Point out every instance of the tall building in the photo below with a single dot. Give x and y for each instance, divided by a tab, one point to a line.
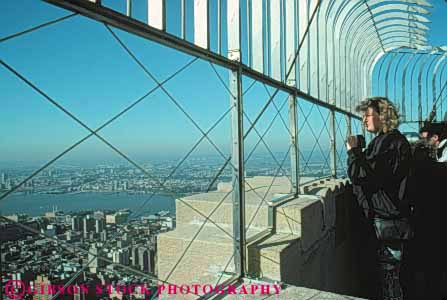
121	256
93	259
77	223
152	261
103	236
134	255
100	224
89	224
3	179
143	259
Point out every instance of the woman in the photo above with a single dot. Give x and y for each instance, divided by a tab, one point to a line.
379	177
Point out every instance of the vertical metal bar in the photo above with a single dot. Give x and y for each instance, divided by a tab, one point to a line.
237	133
290	37
267	65
303	19
290	40
348	125
219	27
333	133
413	69
275	39
257	45
238	172
402	56
248	16
387	74
296	73
323	51
129	8
420	90
313	58
283	41
156	14
294	143
404	87
1	273
201	23
183	19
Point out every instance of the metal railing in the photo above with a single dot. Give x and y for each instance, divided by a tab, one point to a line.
312	59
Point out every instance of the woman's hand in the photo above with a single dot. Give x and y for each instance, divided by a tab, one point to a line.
351	142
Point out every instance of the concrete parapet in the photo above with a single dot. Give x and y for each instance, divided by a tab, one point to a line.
291	292
311	244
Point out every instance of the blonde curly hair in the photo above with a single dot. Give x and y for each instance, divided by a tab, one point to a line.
388	112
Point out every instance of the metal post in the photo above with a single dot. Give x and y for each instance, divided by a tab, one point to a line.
294	154
348	125
183	19
238	171
333	134
1	273
129	8
237	135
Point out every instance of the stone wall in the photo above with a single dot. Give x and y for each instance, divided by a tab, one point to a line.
318	241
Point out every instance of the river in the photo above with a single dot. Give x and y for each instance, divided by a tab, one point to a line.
38	204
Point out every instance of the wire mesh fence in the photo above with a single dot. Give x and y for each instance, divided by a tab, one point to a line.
154	128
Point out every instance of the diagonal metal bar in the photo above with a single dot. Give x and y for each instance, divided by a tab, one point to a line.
197	234
129	52
321	150
265	131
266	146
140	99
173	100
312	151
226	267
316	139
249	87
221	80
278	110
12	36
306	116
291	67
183	160
140	209
85	126
266	192
144	171
324	123
76	119
221	169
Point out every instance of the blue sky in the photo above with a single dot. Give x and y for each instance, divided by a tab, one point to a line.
80	65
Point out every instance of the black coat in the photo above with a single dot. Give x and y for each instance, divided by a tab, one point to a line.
428	180
381	173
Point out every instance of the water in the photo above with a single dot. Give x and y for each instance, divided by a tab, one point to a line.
38	204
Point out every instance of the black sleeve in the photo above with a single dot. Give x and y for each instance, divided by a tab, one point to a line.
388	166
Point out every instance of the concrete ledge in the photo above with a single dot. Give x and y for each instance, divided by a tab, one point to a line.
292	293
312	245
205	258
266	255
